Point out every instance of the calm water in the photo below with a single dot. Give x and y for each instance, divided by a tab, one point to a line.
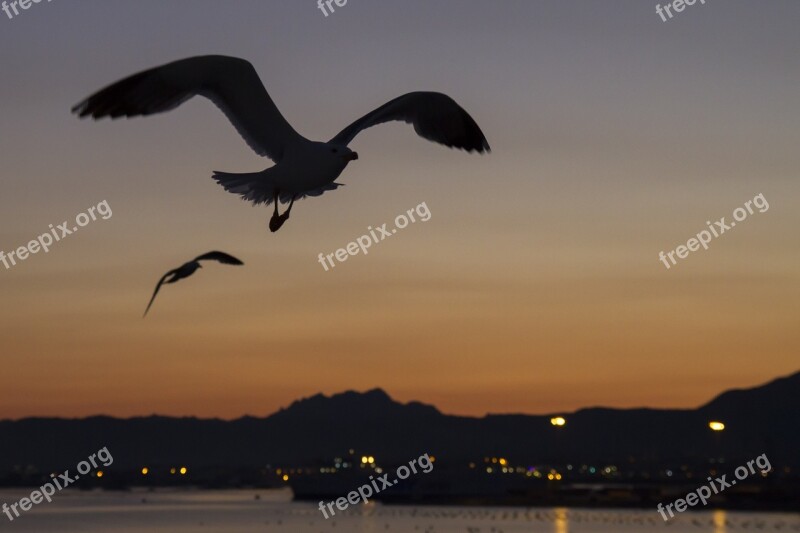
253	510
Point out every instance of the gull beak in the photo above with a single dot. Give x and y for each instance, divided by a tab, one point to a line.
352	157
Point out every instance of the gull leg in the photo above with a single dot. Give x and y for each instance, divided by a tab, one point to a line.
275	222
282	218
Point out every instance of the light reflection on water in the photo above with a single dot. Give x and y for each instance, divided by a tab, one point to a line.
561	522
235	511
720	522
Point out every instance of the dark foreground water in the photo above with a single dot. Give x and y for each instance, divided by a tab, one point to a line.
259	510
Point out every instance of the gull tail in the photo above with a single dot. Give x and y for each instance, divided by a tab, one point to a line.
256	187
259	187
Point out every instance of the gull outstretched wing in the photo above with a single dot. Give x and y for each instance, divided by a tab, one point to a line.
231	83
435	117
158	287
222	257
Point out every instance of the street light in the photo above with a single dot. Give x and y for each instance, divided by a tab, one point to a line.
716	426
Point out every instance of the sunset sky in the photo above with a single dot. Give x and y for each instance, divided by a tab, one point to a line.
535	286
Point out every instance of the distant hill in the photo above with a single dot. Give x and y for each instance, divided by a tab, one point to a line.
314	430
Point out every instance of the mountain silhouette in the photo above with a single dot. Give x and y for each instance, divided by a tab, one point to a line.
314	430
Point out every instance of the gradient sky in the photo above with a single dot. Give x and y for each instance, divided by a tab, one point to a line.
534	287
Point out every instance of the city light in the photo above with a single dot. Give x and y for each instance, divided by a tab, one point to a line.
716	426
145	471
285	477
183	470
99	473
558	421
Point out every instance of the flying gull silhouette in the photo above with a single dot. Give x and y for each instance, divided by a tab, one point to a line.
302	167
187	269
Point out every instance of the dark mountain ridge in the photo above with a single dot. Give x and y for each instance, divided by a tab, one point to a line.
314	430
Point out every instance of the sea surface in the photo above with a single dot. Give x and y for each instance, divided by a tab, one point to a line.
235	511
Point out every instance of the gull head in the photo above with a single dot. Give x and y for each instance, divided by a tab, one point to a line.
341	152
326	160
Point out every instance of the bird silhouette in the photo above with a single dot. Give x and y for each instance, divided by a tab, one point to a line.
302	167
187	269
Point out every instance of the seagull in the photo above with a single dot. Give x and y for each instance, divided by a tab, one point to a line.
302	167
187	269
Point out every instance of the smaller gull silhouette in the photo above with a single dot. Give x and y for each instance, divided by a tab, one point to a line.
187	269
